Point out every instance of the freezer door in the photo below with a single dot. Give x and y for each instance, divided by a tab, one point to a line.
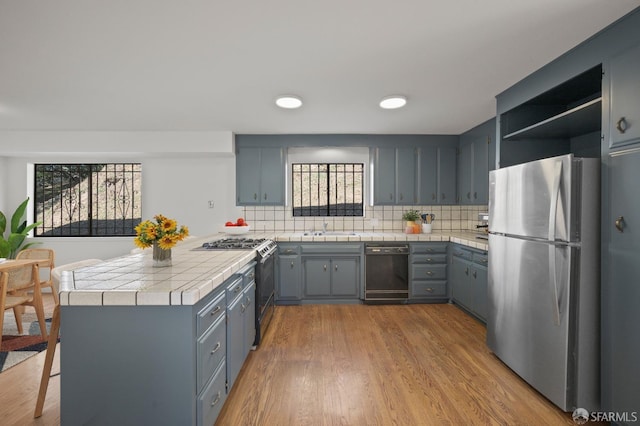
532	199
528	324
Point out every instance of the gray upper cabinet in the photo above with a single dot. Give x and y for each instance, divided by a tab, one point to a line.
395	176
473	171
447	175
624	70
437	175
260	176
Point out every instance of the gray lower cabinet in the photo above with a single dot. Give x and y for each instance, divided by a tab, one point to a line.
428	272
329	277
621	287
331	271
469	280
241	330
288	273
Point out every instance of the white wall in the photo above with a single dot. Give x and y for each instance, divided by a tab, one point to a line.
176	183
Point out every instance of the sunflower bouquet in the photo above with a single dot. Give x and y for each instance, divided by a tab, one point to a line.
164	232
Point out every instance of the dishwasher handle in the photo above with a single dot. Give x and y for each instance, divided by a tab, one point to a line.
389	250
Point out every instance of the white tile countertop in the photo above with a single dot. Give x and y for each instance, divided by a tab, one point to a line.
132	280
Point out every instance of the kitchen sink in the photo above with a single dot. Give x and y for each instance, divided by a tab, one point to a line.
329	233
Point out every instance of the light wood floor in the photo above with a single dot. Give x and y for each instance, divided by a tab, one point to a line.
380	365
348	365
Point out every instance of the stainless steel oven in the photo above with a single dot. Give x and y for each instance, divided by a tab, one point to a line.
386	272
265	287
265	278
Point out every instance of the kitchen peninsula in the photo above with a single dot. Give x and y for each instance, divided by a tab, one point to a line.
147	345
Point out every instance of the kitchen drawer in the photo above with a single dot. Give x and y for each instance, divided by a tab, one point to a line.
288	249
248	274
212	399
429	258
420	289
429	248
211	349
210	313
460	252
235	288
429	272
481	258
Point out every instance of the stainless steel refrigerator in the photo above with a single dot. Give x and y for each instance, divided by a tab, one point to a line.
544	276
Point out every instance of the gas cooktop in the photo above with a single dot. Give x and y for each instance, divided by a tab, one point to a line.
263	245
233	244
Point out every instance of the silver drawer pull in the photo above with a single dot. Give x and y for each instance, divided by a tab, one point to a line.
429	290
215	401
429	259
215	349
237	289
429	273
216	310
243	308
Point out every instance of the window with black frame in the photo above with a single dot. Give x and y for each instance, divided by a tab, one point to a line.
327	189
87	199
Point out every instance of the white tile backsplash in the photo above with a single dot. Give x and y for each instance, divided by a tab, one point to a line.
388	218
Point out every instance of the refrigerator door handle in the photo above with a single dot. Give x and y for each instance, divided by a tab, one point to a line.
553	284
553	206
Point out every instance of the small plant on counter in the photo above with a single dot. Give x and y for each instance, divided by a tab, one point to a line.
411	215
164	232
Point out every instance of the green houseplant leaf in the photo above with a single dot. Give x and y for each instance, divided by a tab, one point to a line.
11	245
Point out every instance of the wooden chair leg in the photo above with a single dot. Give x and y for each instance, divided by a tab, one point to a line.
48	361
17	313
38	305
54	293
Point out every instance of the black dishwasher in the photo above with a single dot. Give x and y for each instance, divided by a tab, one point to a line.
386	273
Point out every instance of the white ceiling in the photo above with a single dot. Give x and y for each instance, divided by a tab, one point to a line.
218	65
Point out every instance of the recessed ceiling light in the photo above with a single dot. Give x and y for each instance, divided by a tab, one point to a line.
393	102
289	102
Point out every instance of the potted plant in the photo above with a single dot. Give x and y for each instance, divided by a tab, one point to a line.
411	217
18	231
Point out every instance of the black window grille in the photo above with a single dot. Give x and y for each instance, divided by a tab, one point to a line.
87	199
327	189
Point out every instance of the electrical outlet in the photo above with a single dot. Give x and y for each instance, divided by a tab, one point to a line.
211	204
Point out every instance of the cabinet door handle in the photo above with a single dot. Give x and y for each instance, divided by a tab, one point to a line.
475	275
390	196
242	307
336	268
468	195
255	196
401	197
325	267
621	125
443	196
215	401
430	273
433	195
237	289
429	259
265	195
429	290
216	310
215	349
475	195
620	223
292	264
466	271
